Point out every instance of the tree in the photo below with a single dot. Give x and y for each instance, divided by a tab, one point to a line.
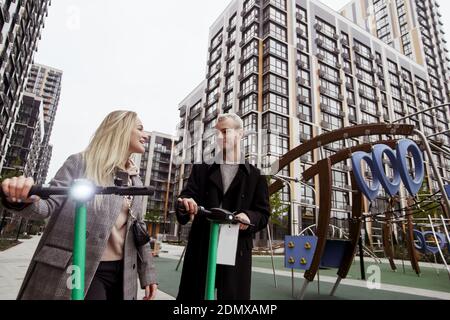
153	216
278	212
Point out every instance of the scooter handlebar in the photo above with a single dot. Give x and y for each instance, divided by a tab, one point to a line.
46	192
219	215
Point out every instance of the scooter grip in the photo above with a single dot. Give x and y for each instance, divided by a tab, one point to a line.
36	190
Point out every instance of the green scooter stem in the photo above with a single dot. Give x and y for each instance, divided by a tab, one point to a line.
212	258
79	252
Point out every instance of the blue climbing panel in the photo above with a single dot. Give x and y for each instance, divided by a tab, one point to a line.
299	251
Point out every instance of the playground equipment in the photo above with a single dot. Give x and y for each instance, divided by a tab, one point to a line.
314	251
81	191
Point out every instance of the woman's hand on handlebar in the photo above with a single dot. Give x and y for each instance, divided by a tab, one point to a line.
16	190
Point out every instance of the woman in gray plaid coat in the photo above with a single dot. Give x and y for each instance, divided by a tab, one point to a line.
113	262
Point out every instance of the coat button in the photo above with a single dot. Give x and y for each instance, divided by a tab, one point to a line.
242	196
134	266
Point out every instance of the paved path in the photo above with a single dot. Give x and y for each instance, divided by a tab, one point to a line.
14	263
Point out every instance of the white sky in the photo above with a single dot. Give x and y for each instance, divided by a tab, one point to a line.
138	55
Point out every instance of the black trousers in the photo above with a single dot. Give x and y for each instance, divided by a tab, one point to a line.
107	283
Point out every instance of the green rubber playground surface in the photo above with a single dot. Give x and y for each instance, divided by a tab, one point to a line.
263	288
429	278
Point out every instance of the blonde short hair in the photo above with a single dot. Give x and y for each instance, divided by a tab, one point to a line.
232	116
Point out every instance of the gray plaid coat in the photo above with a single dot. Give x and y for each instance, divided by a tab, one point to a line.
48	273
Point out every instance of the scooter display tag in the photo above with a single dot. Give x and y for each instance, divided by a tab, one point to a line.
227	246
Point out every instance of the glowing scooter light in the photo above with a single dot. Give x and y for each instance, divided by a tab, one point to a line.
82	190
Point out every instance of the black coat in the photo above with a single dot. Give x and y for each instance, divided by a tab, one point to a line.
247	193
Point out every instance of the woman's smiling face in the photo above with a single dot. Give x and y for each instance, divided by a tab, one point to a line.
138	138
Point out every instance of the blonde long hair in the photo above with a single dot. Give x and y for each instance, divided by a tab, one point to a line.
108	148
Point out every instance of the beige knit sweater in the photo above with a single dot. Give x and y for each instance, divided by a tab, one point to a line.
116	241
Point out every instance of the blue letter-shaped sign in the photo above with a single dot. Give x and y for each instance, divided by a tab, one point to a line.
398	160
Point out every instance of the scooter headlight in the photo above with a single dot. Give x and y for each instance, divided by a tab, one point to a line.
82	190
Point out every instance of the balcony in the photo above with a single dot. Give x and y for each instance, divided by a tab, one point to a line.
195	112
210	116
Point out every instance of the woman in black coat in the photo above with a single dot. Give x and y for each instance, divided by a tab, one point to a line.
247	195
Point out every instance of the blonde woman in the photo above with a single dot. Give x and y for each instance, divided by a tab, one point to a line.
113	262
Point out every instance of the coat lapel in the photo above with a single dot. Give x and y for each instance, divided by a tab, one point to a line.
216	177
236	181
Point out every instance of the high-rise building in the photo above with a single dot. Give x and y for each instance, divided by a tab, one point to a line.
45	82
23	154
20	29
157	170
293	69
414	28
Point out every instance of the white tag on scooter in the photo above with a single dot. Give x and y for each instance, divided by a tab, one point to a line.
227	246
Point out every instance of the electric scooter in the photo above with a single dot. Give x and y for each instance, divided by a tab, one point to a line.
216	217
81	191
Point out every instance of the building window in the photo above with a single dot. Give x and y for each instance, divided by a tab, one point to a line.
306	112
250	66
340	200
250	123
330	73
275	83
325	27
275	102
276	145
304	76
304	59
249	104
251	84
332	105
250	33
275	31
302	13
275	65
331	122
306	131
250	49
276	123
276	15
274	47
280	4
328	57
330	88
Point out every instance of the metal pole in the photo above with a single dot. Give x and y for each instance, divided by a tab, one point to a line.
271	255
292	282
434	167
438	246
421	111
181	257
445	228
20	227
336	284
212	258
438	133
79	250
2	223
361	258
